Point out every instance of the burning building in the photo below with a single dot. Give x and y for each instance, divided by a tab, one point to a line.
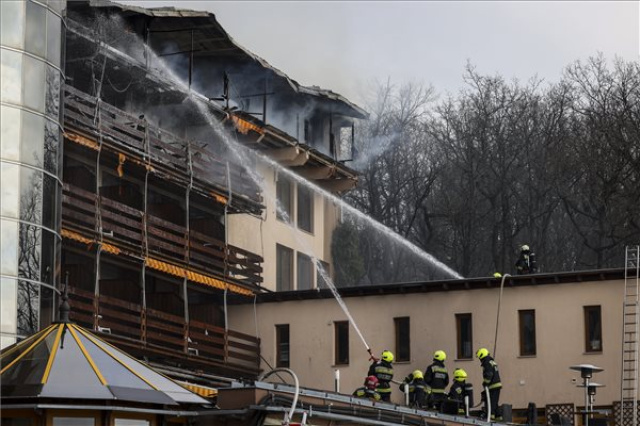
147	211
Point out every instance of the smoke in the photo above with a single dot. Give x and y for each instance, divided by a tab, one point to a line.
372	148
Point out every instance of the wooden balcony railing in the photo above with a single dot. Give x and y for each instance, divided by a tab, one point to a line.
124	226
151	332
165	150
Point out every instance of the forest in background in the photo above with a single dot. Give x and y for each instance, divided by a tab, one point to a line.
471	177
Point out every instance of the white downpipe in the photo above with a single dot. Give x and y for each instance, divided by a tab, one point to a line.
406	393
337	381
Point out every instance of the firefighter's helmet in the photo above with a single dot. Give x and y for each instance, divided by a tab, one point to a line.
459	375
482	353
417	374
524	248
371	382
387	356
439	356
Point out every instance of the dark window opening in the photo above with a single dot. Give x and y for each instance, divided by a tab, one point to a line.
527	325
305	272
284	268
284	198
464	336
403	338
341	342
593	328
305	208
282	346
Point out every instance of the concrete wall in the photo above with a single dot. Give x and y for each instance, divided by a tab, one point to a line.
544	378
248	233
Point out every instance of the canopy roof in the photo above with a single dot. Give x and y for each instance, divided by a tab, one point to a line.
67	361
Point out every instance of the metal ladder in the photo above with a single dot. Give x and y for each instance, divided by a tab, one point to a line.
630	338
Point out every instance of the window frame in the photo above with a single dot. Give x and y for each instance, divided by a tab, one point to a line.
283	184
341	337
280	249
305	195
460	350
402	326
301	257
283	330
588	346
522	314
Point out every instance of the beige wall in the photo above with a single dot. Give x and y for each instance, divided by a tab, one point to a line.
246	231
544	378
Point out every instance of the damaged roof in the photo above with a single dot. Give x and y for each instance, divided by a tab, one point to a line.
227	40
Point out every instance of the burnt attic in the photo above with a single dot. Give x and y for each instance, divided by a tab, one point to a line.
119	53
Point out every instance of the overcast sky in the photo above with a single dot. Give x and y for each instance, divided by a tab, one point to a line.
345	45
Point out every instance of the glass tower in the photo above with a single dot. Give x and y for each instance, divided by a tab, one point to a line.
31	47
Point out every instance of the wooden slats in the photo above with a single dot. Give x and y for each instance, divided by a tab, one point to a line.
166	333
128	133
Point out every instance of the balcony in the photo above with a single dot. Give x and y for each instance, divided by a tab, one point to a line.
133	232
98	125
158	335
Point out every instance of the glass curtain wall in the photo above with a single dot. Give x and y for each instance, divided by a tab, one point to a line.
31	47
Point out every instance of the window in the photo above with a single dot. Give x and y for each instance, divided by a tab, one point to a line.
593	329
321	282
282	345
284	268
341	342
305	272
284	199
464	336
403	339
527	326
305	208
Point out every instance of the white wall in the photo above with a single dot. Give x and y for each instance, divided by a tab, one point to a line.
544	378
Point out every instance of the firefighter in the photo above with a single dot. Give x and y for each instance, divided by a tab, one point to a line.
437	379
417	389
526	263
369	389
383	370
490	381
458	390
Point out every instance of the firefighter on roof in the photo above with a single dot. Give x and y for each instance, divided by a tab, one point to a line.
526	263
458	390
383	370
490	381
369	389
437	379
417	389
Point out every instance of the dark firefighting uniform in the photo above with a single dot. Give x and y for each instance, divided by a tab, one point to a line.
491	380
437	379
457	392
384	373
417	391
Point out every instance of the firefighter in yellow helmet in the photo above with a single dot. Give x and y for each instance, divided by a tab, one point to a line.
437	379
417	389
458	390
526	263
490	381
383	370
